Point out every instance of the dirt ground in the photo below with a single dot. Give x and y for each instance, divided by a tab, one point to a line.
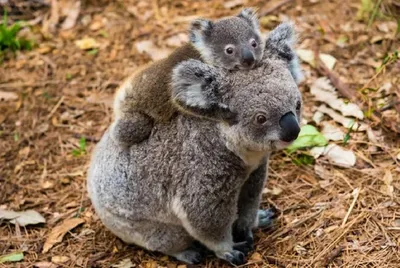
330	216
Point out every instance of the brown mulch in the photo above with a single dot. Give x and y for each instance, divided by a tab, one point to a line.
330	216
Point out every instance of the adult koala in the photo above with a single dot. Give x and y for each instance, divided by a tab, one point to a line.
200	180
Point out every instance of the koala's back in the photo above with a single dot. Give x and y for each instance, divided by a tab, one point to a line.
142	182
148	89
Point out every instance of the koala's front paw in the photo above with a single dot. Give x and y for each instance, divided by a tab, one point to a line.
266	217
234	257
244	247
242	234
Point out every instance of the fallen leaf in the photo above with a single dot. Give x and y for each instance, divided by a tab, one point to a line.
8	96
309	136
256	257
344	121
71	9
23	218
13	257
336	155
177	40
45	264
87	43
59	259
323	91
58	233
300	249
307	56
388	179
156	53
317	117
232	3
332	132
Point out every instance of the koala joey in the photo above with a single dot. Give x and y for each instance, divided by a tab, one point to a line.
197	181
144	98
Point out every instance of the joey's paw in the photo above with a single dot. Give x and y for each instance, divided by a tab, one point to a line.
266	217
234	257
244	247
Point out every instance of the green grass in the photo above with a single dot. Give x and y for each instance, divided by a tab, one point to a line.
9	39
82	147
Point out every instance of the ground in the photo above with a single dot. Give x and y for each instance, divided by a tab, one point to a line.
329	215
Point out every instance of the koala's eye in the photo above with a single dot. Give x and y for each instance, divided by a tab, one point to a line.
229	50
253	43
261	119
298	105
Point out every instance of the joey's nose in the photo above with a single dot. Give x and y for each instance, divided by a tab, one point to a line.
247	57
289	127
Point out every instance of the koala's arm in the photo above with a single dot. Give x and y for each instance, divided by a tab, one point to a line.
249	214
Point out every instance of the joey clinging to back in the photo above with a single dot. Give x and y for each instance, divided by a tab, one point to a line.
230	43
144	98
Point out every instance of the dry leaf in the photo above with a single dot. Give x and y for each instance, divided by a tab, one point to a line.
332	132
59	259
256	257
325	92
71	9
336	155
344	121
8	96
125	263
154	52
307	56
388	179
45	264
57	234
23	218
233	3
87	43
177	40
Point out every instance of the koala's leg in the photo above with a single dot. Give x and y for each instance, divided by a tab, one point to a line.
249	214
212	227
134	129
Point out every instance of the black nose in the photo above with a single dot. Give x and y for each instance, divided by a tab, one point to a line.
247	57
289	127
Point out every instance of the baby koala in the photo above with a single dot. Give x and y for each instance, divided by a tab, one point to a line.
144	98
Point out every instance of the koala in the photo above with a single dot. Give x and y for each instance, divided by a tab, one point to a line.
144	98
196	182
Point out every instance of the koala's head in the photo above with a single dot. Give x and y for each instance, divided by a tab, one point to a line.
258	109
230	43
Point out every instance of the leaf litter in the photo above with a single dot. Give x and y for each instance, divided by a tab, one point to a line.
50	179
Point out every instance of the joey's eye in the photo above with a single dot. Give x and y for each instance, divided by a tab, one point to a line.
253	43
261	119
298	106
229	50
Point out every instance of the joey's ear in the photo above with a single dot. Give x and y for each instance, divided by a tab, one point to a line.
197	89
250	15
200	28
281	42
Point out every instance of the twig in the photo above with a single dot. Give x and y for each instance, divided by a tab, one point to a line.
273	8
55	108
355	194
333	255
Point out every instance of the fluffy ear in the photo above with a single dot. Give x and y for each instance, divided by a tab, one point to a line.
200	28
281	41
250	15
197	90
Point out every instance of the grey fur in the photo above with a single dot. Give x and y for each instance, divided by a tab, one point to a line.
196	179
212	39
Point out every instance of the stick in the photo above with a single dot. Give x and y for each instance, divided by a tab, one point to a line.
355	193
273	8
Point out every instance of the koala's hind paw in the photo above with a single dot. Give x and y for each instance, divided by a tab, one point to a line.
190	256
235	257
266	217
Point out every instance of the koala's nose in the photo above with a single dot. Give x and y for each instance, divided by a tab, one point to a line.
290	127
247	57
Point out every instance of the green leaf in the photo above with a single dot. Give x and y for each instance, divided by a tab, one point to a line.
309	136
76	152
13	257
82	144
303	159
93	52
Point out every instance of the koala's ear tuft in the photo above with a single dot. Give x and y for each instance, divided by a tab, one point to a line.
250	15
281	41
200	28
196	90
